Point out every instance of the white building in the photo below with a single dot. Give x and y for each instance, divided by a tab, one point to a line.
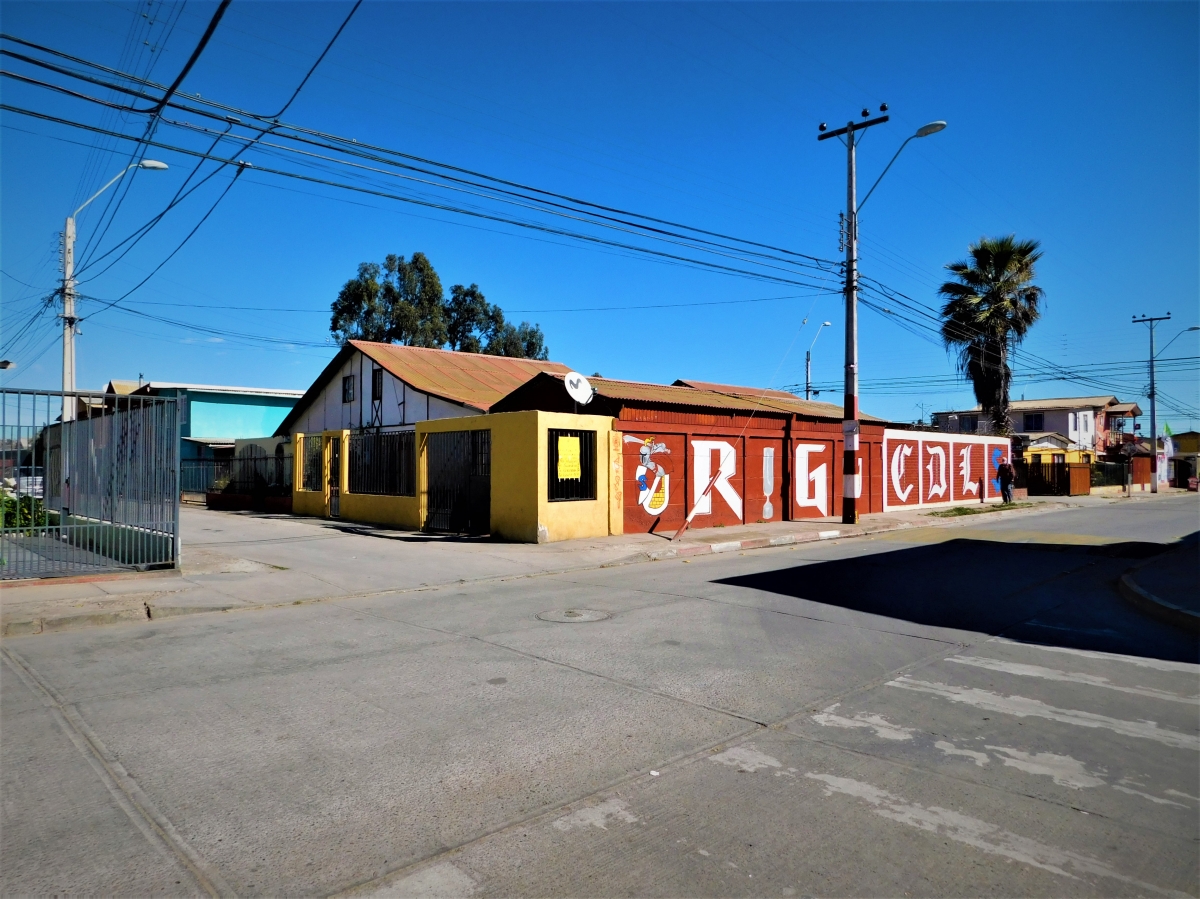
385	385
1090	423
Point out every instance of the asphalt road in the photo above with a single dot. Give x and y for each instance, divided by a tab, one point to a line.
966	711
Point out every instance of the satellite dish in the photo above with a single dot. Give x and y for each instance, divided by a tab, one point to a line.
579	388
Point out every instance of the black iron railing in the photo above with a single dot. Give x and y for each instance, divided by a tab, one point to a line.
383	463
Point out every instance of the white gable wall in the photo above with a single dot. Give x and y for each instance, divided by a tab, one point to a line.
402	405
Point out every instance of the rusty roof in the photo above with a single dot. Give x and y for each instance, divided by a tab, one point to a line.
472	379
734	389
664	395
469	379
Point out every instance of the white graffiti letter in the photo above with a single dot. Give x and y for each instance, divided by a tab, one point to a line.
903	451
964	469
702	474
937	485
819	498
768	482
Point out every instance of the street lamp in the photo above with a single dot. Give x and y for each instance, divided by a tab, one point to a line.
70	320
1176	337
808	362
851	482
923	131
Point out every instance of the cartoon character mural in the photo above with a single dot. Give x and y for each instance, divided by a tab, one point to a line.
653	476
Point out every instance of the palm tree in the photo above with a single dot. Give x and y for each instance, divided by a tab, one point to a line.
989	309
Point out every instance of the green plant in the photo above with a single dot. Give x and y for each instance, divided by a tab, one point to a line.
24	512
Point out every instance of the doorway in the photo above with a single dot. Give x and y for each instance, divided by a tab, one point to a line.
459	498
335	477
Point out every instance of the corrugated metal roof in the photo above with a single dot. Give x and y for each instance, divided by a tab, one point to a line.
472	379
1117	408
1064	402
661	394
734	389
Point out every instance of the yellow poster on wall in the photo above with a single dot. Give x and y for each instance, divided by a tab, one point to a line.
568	458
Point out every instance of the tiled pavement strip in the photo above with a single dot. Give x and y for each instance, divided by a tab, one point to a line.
271	561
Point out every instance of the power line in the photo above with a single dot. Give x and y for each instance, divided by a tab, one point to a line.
204	39
441	206
356	148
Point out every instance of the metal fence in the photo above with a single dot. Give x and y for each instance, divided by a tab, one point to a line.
314	463
89	483
1109	474
383	463
254	475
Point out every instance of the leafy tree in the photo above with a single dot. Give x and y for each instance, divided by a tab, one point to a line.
359	312
402	302
523	341
989	309
467	318
412	291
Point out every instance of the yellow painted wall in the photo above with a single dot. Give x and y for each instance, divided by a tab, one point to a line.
520	508
616	484
521	511
394	511
576	518
1047	455
304	502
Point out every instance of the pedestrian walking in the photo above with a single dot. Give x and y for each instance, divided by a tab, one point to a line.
1006	474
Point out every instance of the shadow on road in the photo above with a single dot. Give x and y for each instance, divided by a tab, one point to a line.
1051	594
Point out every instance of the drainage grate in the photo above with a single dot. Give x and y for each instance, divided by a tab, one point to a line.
572	616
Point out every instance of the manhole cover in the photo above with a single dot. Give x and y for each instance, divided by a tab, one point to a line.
572	616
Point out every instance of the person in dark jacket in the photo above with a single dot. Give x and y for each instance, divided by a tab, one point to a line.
1006	475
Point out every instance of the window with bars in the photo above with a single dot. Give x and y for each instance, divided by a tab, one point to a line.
314	464
571	465
376	384
383	463
348	389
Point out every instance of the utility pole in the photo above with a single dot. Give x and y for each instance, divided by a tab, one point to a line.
850	428
1150	320
69	319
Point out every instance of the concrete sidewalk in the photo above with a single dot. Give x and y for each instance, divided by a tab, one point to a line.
245	560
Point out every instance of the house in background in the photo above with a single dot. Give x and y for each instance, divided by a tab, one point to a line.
212	417
1089	423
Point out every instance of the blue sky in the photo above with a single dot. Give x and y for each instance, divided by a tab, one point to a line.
1077	124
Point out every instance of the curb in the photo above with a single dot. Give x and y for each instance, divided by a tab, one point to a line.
1143	599
153	612
93	578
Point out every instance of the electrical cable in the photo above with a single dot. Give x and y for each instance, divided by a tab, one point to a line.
824	266
441	206
355	145
179	247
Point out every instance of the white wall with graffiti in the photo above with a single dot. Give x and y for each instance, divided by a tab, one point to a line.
933	469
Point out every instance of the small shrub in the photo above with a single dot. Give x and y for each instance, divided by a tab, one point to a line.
25	512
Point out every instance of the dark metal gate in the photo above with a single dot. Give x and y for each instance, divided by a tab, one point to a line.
89	482
335	477
459	466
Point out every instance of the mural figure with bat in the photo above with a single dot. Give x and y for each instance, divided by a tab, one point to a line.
653	476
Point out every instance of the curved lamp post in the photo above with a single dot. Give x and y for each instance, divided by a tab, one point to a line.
808	362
